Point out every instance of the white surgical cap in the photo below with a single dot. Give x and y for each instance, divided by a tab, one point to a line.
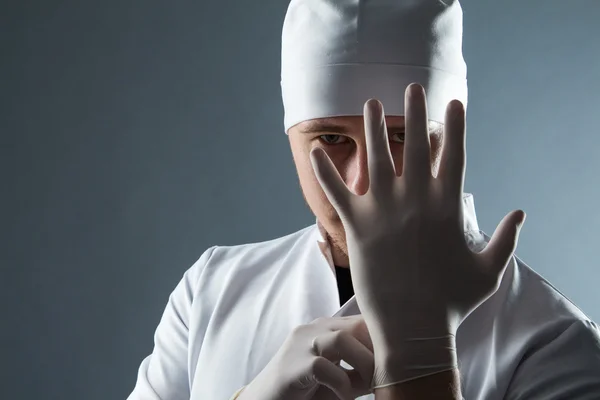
337	54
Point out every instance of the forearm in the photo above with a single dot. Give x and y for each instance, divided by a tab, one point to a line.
440	386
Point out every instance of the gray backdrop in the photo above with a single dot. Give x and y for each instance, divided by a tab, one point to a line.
135	135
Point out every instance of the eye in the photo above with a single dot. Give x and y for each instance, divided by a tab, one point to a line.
331	140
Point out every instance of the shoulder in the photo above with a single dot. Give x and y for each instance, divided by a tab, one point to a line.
217	260
542	297
564	366
527	294
276	245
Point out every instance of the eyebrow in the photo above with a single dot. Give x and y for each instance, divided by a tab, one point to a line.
317	126
320	126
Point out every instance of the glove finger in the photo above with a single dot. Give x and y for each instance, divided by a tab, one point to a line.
341	345
360	387
451	173
333	377
354	324
416	168
502	244
379	157
332	183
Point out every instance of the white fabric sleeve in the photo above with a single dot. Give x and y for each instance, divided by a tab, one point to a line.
164	374
568	367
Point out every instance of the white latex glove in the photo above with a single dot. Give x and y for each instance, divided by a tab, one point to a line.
306	367
414	276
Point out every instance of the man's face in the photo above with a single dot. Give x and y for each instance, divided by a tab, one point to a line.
343	139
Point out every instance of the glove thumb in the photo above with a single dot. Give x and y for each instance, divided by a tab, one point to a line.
503	243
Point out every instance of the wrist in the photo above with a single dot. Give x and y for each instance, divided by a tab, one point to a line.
412	358
427	323
440	386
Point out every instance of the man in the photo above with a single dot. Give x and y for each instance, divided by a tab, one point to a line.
441	311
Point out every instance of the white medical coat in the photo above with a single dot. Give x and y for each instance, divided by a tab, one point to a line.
236	305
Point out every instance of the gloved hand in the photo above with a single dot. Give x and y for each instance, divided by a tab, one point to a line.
414	276
307	364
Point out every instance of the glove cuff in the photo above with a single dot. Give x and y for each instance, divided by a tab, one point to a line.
414	358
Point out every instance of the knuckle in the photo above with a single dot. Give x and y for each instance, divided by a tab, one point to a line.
319	321
317	364
358	328
359	323
412	217
299	330
361	333
339	338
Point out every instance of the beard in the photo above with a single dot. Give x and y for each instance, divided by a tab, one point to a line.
338	242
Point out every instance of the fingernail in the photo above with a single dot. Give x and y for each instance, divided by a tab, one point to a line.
417	89
457	108
523	221
376	104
